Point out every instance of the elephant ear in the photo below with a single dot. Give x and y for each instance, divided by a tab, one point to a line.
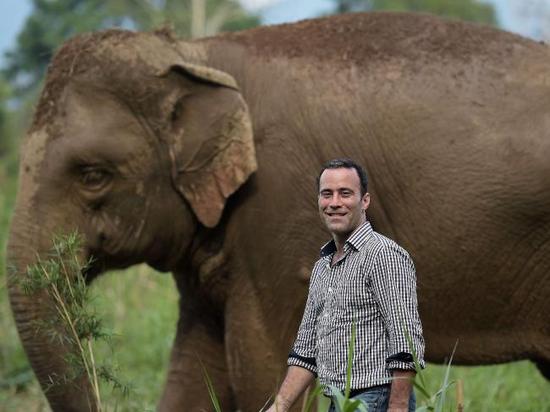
211	145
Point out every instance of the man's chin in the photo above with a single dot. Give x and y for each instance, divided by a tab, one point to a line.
338	229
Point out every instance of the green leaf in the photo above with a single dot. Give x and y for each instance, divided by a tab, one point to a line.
316	392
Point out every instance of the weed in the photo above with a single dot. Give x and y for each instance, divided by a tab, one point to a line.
73	323
342	402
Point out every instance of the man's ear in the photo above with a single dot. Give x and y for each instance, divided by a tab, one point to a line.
212	147
366	201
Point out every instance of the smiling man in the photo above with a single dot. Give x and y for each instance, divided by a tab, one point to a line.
362	278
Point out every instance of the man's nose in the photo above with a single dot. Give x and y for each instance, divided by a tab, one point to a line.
335	201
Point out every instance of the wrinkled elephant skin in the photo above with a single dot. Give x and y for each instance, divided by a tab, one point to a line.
200	158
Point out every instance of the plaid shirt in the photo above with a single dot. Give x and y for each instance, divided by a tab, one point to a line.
374	285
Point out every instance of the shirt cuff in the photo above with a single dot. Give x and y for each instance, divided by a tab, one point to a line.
403	361
307	363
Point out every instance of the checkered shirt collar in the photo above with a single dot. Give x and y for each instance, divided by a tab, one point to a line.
357	239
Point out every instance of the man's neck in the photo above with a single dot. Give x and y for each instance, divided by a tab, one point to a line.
341	239
339	242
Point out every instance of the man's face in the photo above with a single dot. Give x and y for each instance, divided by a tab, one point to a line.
341	206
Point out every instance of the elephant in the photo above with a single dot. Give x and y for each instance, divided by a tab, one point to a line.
199	158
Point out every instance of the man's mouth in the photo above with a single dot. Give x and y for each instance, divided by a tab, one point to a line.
334	214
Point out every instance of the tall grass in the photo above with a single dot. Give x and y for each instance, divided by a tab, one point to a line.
342	402
433	400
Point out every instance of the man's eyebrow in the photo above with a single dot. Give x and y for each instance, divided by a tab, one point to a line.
340	189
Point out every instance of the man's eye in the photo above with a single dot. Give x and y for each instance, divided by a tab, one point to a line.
326	195
346	194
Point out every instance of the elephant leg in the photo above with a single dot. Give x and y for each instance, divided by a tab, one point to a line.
254	357
199	338
543	367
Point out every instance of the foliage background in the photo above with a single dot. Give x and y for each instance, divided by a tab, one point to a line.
139	305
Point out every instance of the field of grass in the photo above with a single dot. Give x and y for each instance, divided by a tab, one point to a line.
140	307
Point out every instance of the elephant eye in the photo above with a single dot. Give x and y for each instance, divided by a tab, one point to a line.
93	178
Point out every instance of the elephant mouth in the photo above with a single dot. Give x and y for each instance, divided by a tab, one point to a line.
161	264
96	265
99	262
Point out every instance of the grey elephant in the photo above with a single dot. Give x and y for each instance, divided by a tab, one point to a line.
200	158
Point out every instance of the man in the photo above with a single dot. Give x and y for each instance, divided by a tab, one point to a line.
362	278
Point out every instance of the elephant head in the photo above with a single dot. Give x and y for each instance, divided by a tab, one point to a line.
137	148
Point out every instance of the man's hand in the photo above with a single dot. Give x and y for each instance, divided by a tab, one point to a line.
400	391
280	405
296	381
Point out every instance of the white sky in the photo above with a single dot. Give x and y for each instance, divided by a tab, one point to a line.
255	5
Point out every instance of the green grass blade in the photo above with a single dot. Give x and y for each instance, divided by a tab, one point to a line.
422	389
417	366
441	401
338	399
352	405
211	390
351	348
317	391
267	403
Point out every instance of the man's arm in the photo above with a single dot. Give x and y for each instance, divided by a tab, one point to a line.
296	381
394	284
400	390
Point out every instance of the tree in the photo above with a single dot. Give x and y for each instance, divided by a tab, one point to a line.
4	132
49	24
53	21
8	132
192	18
471	10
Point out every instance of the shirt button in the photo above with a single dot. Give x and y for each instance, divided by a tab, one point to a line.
326	315
329	290
328	265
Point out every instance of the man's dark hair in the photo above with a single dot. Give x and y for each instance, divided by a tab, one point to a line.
346	164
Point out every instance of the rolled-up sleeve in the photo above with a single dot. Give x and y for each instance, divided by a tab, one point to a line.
394	284
303	352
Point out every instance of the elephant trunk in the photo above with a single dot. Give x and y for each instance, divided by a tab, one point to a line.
35	315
